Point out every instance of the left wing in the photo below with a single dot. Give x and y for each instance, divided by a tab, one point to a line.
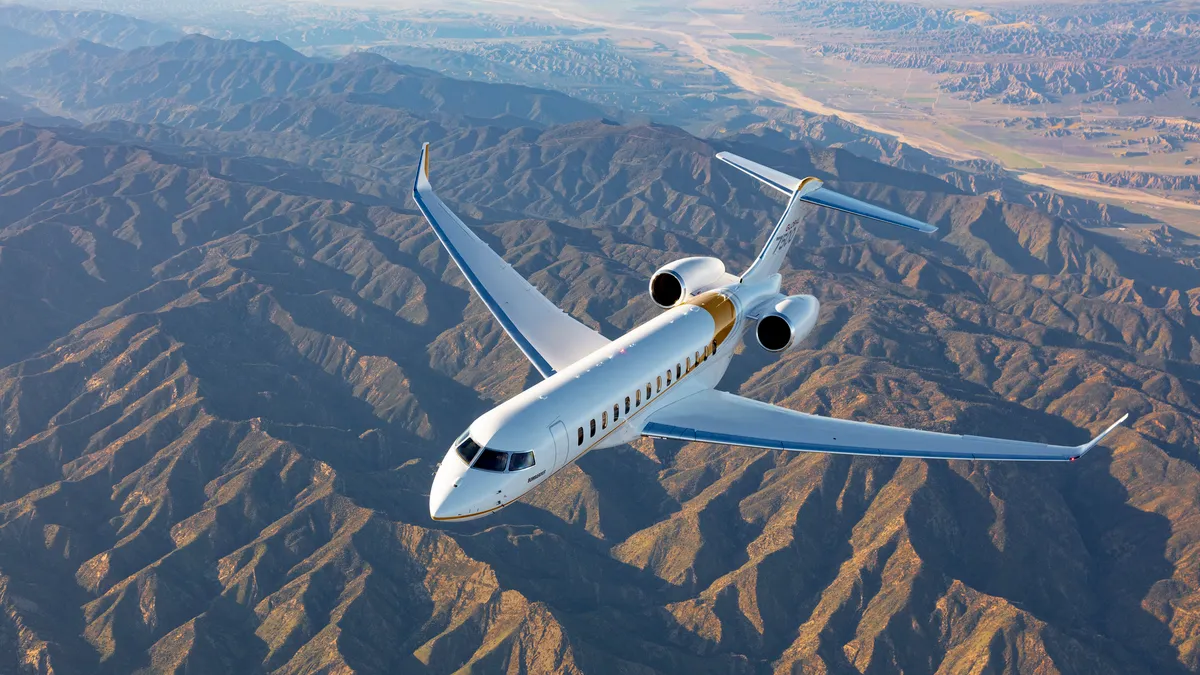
548	336
720	417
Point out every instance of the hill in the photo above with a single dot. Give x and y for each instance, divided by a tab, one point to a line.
234	353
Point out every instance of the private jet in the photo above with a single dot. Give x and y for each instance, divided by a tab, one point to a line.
658	380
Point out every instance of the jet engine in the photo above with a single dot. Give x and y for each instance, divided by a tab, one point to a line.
787	323
675	281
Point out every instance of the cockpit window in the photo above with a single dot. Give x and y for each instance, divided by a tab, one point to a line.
520	460
491	460
467	450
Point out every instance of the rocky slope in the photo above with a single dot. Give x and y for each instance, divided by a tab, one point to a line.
235	351
202	77
1086	53
26	29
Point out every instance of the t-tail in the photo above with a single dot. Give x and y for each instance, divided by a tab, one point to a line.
803	195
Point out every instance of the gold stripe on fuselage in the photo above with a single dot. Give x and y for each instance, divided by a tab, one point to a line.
724	315
722	310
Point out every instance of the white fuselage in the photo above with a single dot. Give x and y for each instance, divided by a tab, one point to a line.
600	401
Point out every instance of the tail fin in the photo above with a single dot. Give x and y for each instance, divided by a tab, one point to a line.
805	192
771	258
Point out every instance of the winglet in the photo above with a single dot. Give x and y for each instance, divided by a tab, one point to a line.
1092	443
421	180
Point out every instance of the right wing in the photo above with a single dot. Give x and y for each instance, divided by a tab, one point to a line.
728	419
821	196
548	336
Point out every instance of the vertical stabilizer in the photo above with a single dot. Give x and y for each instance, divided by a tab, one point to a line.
804	194
771	258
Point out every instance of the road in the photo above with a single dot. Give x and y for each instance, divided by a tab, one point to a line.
745	79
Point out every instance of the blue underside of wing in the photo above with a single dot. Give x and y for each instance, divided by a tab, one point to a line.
658	430
840	202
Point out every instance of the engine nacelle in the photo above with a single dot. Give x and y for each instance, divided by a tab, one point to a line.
674	282
787	323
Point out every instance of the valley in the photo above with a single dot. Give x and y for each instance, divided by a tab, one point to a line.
233	353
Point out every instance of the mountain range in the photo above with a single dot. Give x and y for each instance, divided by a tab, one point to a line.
234	353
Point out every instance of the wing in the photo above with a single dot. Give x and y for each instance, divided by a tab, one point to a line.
720	417
548	336
822	196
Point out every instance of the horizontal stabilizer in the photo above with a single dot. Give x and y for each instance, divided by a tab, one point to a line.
822	196
839	202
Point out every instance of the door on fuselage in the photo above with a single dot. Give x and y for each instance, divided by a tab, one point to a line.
562	444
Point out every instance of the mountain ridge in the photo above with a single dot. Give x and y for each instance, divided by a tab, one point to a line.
241	352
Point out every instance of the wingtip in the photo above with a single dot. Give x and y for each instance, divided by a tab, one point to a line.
1083	449
421	180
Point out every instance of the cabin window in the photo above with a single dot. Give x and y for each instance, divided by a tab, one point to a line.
616	412
626	405
593	428
697	358
491	460
522	460
678	371
467	449
580	435
660	382
604	420
689	364
706	352
637	396
668	378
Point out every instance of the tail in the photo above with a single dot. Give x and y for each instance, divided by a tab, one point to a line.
804	194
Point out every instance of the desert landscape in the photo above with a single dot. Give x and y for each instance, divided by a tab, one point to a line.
233	351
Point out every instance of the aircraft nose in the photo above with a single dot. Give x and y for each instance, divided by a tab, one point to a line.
441	494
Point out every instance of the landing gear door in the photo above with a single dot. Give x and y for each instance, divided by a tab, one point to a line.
562	444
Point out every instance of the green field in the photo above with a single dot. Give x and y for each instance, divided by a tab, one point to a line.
751	36
747	51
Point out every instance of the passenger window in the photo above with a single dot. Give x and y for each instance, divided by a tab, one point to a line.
580	435
668	378
616	412
677	371
626	405
604	420
522	460
593	428
697	358
689	364
660	383
647	391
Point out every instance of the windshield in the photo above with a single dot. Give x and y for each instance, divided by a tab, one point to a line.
520	460
492	460
486	459
467	449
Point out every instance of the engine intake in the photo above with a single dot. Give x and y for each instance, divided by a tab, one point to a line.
787	323
675	282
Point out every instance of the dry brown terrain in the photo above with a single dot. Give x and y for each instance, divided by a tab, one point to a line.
233	353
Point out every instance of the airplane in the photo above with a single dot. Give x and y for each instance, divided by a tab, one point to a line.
658	380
